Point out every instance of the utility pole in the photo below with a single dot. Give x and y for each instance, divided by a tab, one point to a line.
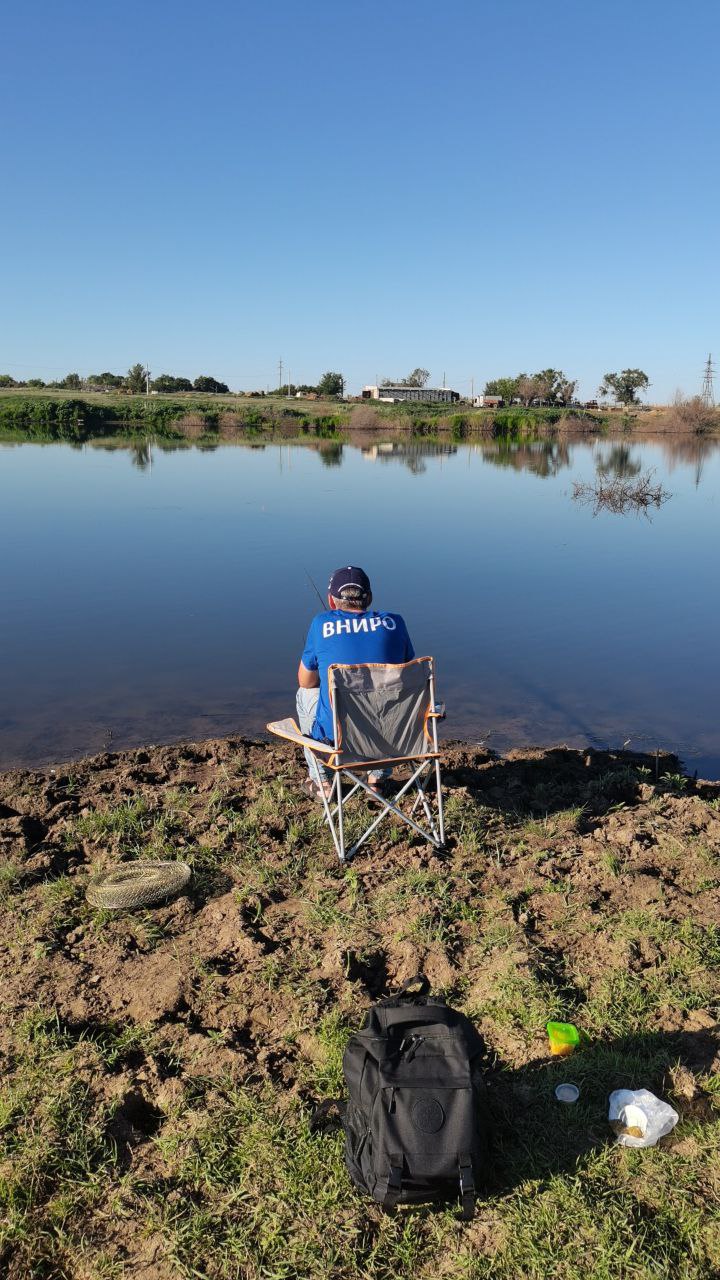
708	391
280	382
443	381
147	381
472	389
288	390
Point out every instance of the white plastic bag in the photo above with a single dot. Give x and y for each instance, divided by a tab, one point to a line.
639	1118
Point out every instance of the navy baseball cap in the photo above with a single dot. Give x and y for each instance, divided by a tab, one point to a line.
350	584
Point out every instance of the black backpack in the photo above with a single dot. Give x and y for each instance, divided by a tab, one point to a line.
415	1124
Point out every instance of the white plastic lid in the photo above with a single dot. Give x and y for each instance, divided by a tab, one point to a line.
567	1093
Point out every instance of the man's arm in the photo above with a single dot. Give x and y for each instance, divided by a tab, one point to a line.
307	679
308	674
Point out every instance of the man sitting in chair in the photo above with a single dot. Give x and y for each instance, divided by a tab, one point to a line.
349	632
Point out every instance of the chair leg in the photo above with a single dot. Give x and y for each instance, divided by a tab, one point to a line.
389	806
340	817
336	821
441	816
420	785
422	797
328	812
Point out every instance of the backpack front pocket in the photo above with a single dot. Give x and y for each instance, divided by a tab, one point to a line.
429	1124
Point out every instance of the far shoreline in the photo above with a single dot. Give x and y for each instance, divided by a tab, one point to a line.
47	417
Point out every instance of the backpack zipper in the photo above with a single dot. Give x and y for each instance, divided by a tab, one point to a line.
410	1044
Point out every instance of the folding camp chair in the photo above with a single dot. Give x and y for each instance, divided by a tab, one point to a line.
383	714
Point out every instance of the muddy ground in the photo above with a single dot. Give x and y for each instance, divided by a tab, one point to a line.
577	884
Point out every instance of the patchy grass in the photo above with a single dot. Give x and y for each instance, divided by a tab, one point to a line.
159	1068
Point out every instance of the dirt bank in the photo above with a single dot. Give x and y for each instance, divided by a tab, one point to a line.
575	884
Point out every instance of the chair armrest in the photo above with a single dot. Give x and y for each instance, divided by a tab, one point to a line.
289	730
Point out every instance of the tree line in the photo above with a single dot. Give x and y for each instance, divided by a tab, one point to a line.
548	387
553	387
137	381
329	386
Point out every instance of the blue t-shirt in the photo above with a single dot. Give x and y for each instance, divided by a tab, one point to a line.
343	636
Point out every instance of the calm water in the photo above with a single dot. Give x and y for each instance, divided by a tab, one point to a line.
147	595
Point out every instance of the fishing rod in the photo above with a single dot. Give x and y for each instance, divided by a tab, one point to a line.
317	593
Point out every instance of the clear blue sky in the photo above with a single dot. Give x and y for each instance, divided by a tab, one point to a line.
476	187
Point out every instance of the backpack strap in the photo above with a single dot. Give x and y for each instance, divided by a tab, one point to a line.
418	980
324	1109
392	1182
467	1188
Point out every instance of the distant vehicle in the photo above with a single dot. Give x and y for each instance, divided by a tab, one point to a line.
590	404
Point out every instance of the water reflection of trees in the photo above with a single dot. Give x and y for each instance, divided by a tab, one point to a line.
542	457
618	463
141	454
688	451
677	450
613	460
331	455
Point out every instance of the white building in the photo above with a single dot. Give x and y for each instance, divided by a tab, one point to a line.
420	395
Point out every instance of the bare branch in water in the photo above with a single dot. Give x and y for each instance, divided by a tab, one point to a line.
620	495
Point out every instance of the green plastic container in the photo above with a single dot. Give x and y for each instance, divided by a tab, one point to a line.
564	1038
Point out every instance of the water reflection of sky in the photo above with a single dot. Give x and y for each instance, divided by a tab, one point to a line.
153	593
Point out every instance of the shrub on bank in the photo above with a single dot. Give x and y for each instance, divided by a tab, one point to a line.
364	418
518	423
691	415
54	419
60	419
324	426
460	426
